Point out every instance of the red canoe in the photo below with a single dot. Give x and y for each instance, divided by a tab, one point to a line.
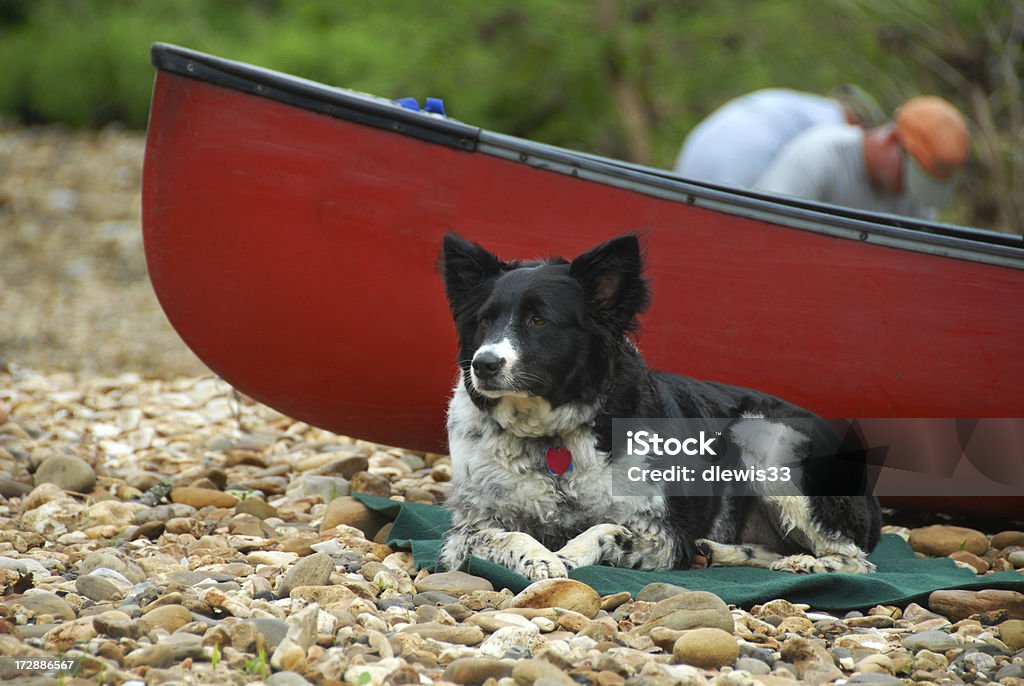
292	231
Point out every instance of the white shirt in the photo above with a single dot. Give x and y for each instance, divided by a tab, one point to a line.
826	164
737	142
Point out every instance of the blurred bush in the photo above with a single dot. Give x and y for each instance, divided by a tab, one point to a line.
624	78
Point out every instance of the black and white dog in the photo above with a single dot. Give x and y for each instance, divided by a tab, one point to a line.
546	363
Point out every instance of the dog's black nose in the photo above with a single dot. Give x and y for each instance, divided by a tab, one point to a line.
486	365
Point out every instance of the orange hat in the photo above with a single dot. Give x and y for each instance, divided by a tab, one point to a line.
935	134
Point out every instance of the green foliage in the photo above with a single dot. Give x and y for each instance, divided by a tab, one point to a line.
624	78
534	67
258	666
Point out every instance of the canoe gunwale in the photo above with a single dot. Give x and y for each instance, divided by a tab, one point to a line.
898	232
967	243
310	95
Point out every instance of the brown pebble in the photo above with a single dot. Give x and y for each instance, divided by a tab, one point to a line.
371	484
1012	633
202	497
346	467
150	530
979	565
706	648
168	617
256	507
1005	539
349	511
957	605
477	670
301	545
567	594
616	600
382	535
236	458
939	540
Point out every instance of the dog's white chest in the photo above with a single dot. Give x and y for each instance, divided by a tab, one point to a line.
504	475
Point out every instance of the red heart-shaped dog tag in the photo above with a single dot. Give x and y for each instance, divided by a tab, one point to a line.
559	459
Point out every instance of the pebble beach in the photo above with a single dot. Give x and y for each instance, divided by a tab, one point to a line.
158	527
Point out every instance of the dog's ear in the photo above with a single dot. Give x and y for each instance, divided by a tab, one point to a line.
612	278
464	265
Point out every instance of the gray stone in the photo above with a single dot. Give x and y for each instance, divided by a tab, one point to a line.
979	663
272	630
464	635
161	513
934	640
782	665
10	488
765	655
199	577
35	631
311	485
101	586
690	610
183	645
141	594
115	560
312	570
415	462
151	656
68	472
755	667
432	598
915	614
286	679
1009	671
40	603
24	566
117	625
404	602
659	591
875	678
290	653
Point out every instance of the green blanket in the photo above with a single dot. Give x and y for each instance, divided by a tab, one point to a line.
901	577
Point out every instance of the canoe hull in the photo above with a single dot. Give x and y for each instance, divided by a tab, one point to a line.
295	253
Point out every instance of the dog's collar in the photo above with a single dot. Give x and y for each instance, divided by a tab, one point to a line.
559	459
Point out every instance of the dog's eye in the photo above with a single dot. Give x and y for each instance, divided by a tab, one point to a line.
537	321
485	322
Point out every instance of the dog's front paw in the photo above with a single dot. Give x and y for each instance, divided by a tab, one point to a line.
800	564
543	567
453	552
826	564
609	543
